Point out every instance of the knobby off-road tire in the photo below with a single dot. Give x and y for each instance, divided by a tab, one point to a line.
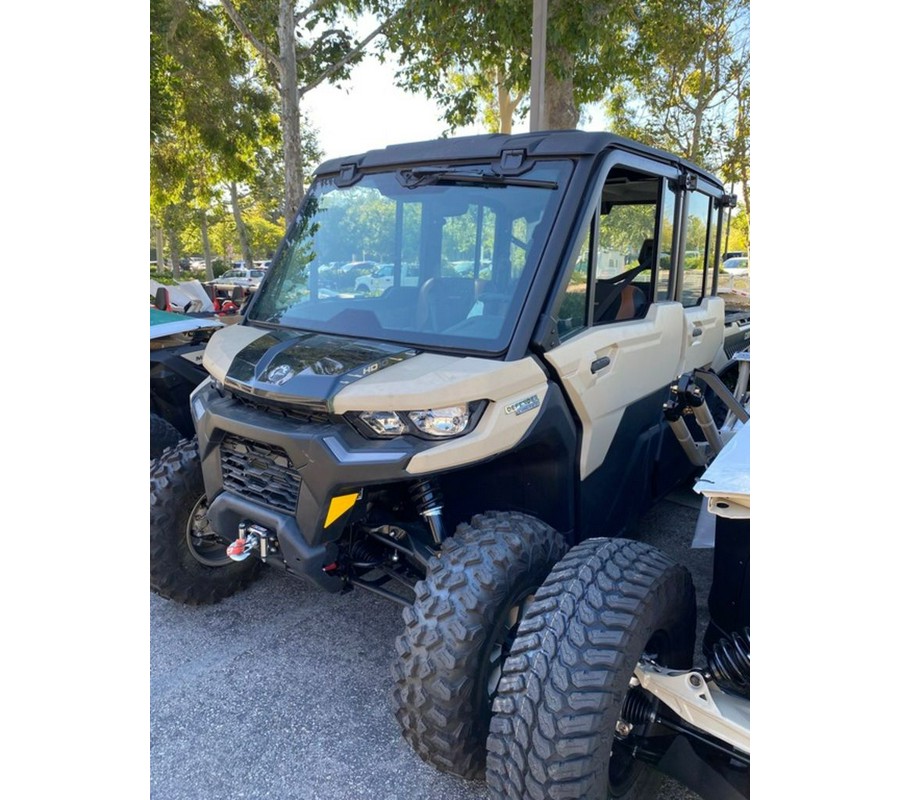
553	730
459	629
187	561
163	434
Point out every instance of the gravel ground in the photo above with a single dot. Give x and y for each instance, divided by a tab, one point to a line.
282	691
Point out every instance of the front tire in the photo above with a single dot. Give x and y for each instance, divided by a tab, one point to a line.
553	733
163	434
188	562
459	631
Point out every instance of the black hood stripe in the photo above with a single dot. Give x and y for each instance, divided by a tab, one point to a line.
308	367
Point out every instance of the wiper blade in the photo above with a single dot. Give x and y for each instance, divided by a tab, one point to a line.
429	176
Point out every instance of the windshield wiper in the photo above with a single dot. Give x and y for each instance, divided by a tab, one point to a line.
429	176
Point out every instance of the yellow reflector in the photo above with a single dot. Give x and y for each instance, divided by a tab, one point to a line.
340	505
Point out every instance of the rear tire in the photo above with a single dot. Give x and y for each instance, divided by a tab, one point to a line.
553	733
188	562
460	629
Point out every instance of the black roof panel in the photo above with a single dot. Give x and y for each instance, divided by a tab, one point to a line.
489	146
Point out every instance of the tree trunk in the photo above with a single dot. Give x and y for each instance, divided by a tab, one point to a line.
246	253
160	254
290	112
207	252
505	104
559	92
174	254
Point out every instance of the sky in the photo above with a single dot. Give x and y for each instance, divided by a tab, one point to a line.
370	112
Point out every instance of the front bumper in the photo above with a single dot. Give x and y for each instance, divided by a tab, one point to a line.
282	472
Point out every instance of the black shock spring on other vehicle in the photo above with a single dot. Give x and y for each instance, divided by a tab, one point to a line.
637	708
729	663
429	500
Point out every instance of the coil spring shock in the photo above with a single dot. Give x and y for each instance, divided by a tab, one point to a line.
429	502
729	663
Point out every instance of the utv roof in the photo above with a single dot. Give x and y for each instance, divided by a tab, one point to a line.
490	146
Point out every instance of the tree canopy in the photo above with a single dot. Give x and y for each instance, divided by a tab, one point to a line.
227	78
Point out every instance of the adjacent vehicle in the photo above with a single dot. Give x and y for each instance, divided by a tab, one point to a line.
177	342
442	444
601	695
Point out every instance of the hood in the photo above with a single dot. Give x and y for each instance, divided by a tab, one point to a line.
346	374
291	366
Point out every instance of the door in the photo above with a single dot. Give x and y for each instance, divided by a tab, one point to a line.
621	338
704	315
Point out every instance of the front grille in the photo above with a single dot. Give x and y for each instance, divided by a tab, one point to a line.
260	472
299	413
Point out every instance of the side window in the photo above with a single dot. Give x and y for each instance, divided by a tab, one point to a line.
518	246
572	314
626	253
696	248
465	241
618	259
666	241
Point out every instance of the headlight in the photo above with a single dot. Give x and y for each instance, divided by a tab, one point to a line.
429	423
450	421
384	423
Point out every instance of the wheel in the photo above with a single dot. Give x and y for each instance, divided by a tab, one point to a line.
363	289
163	434
459	630
553	733
188	562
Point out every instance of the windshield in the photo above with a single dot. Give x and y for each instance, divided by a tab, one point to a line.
439	259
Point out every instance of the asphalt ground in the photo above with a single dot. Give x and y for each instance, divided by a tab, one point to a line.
282	691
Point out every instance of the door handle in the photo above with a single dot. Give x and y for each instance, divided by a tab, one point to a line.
697	332
599	364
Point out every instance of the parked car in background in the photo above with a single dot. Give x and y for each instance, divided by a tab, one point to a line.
344	277
383	277
244	278
736	266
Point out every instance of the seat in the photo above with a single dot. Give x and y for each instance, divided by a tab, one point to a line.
444	302
632	302
162	301
617	299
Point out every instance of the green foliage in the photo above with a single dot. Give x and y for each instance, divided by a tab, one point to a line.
573	306
738	232
689	77
693	262
163	71
217	122
459	53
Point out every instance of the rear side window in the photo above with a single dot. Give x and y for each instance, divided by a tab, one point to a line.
697	248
